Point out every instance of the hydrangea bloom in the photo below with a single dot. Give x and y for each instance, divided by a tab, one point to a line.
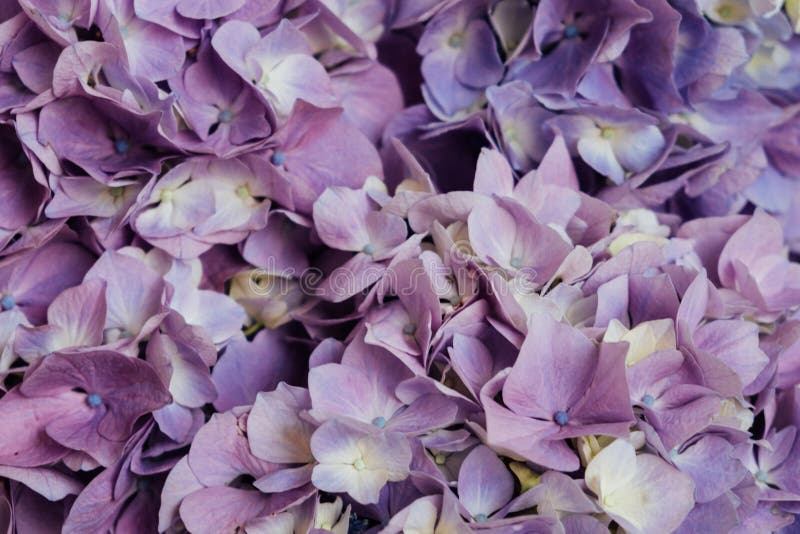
383	267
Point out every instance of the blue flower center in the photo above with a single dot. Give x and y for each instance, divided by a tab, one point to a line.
380	422
648	400
278	158
369	249
93	400
121	146
516	262
7	302
480	518
571	31
225	116
455	41
561	417
761	475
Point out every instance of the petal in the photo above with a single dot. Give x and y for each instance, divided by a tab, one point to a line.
636	149
599	154
555	366
484	483
276	432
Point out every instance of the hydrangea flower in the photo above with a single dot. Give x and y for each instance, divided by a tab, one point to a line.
414	266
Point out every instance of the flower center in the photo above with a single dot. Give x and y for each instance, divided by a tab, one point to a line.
516	262
761	475
648	400
121	146
409	329
278	158
359	465
7	302
225	116
571	31
369	248
116	192
455	40
379	421
93	400
480	518
243	192
561	417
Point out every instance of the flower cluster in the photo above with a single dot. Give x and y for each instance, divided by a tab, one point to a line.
399	266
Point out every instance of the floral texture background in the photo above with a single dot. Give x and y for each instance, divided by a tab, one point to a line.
399	266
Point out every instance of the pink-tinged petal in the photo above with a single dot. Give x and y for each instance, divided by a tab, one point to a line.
712	464
51	484
340	218
218	316
692	308
207	9
364	486
134	292
556	167
36	278
554	369
583	524
370	95
605	406
446	209
96	508
232	41
248	367
280	247
735	342
180	483
285	479
516	435
153	51
285	40
638	148
339	390
23	440
34	66
386	231
276	432
759	237
493	174
321	150
555	493
633	489
498	245
221	509
127	389
472	361
599	154
176	421
426	413
336	443
484	482
298	77
189	378
30	343
356	461
81	312
220	452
